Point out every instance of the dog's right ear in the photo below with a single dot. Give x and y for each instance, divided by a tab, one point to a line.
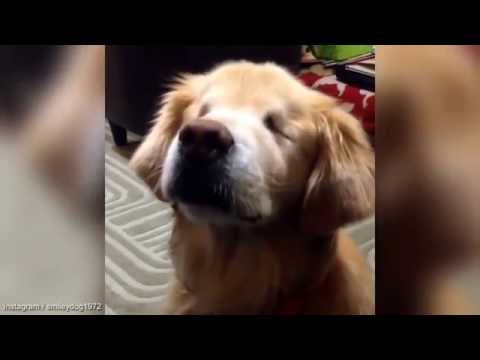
147	161
341	188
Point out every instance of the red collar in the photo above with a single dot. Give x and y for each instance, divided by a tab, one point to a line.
473	50
293	306
296	304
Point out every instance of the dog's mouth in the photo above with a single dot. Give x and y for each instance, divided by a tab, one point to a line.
208	192
251	219
202	185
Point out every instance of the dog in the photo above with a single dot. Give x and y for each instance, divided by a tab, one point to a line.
261	172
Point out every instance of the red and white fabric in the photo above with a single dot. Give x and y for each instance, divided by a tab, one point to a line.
359	102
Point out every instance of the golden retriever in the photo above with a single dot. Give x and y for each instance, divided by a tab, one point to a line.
262	171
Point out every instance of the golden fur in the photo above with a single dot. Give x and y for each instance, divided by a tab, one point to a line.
304	185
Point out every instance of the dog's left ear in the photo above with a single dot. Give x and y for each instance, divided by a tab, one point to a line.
341	188
147	161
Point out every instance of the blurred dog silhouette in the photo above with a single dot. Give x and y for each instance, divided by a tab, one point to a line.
52	213
64	134
428	179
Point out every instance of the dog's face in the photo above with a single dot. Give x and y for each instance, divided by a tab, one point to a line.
247	143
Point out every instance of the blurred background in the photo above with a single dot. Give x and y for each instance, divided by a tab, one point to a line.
52	184
428	188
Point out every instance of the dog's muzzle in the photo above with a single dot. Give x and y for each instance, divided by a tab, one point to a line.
201	173
205	141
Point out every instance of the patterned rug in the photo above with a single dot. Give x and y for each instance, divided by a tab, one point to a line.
137	229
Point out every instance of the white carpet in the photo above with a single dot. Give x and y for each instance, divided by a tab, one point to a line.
137	228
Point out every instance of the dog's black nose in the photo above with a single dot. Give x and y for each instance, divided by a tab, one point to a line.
205	139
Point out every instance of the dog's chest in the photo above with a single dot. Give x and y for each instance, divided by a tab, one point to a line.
237	272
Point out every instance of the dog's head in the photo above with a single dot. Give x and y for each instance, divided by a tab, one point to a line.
247	143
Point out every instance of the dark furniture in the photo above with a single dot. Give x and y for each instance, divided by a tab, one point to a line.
358	80
137	75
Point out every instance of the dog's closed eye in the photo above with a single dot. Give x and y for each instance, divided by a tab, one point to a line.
272	123
204	110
